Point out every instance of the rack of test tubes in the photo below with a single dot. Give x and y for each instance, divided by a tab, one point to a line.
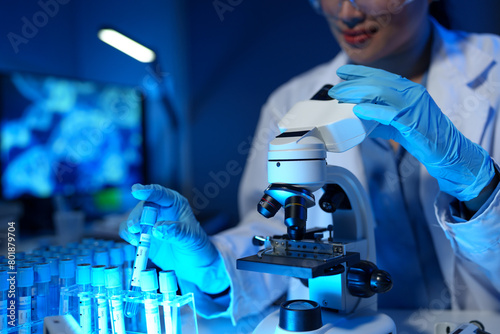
90	282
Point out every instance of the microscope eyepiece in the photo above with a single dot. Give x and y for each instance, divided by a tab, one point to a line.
268	206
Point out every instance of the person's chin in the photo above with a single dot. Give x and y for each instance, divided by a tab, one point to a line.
359	54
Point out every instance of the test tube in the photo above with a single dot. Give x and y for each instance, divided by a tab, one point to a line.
47	253
37	251
84	289
66	256
149	286
66	280
128	264
4	287
30	263
25	278
116	260
148	219
41	297
72	245
114	292
87	251
100	305
74	251
101	257
81	259
108	244
55	248
36	258
54	289
90	242
168	288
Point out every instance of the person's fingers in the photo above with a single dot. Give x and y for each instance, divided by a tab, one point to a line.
133	221
375	112
352	72
164	229
154	193
126	235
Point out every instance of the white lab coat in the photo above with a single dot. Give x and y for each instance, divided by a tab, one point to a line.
464	80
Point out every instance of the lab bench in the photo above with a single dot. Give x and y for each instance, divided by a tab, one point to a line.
421	321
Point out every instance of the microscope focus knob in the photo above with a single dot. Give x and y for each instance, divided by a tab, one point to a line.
364	279
380	281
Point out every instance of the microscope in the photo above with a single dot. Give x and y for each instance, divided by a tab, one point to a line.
336	262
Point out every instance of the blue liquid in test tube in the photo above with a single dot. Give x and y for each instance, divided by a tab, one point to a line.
168	288
54	289
41	297
100	304
148	219
149	286
67	280
128	265
25	280
4	287
84	300
116	259
114	292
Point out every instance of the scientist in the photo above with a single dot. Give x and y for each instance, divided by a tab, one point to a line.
428	168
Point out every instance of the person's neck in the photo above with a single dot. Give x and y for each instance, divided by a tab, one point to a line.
413	61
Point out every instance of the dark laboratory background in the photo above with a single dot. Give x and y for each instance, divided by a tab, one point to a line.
81	122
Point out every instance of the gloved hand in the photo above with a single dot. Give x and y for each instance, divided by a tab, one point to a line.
179	243
407	114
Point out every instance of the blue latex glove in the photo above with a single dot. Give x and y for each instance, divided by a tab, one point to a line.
407	114
179	242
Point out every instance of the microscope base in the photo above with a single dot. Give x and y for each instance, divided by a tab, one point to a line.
365	322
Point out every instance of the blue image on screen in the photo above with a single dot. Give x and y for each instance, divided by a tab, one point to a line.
68	137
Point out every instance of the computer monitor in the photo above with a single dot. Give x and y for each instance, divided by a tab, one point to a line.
67	138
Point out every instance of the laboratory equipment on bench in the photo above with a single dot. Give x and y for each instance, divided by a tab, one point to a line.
100	304
88	298
472	327
128	264
116	259
83	280
168	289
25	281
66	281
115	299
54	288
40	302
338	261
149	286
148	219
